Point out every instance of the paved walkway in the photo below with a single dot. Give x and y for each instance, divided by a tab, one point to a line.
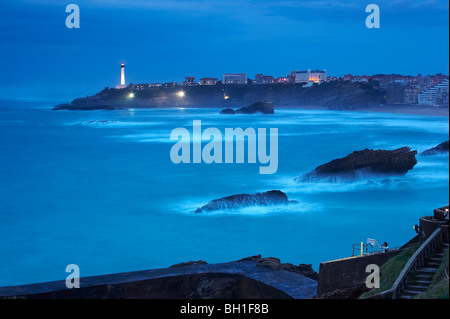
293	284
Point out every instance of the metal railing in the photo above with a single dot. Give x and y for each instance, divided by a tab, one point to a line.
366	252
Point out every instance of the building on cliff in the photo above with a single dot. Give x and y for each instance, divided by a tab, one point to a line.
316	76
234	78
208	81
189	80
263	79
436	95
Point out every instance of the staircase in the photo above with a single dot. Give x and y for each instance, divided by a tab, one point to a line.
424	276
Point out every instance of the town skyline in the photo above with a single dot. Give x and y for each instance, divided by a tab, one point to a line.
279	75
431	90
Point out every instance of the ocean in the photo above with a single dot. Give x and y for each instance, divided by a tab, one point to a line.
98	189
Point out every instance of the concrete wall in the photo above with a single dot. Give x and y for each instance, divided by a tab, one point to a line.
429	224
348	273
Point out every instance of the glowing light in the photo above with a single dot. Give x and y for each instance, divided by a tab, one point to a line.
180	93
131	95
226	97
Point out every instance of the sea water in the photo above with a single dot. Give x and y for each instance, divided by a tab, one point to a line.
98	189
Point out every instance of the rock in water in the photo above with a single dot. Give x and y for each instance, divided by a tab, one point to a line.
262	106
441	148
273	197
365	162
96	122
227	111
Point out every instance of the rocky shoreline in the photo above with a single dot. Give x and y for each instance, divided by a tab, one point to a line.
269	262
333	95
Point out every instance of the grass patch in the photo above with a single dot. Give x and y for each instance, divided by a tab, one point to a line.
439	286
391	269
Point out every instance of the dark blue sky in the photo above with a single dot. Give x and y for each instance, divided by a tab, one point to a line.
162	41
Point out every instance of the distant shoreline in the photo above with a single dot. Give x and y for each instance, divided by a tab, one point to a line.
334	95
393	109
411	109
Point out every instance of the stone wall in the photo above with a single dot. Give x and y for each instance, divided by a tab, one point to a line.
348	274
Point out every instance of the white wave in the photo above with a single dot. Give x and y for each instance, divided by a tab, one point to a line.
164	137
418	178
113	123
189	207
146	137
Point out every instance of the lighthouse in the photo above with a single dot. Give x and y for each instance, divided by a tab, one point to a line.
122	77
122	74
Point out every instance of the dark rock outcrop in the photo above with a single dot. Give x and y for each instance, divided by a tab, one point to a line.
441	148
96	122
273	197
275	264
228	111
365	162
189	263
262	106
302	269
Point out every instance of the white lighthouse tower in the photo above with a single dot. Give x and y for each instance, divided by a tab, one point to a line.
122	74
122	77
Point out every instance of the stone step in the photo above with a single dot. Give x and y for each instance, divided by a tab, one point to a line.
432	264
427	270
411	292
424	283
424	277
416	288
424	274
435	259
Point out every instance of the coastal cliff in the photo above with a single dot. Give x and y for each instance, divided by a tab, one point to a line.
333	95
